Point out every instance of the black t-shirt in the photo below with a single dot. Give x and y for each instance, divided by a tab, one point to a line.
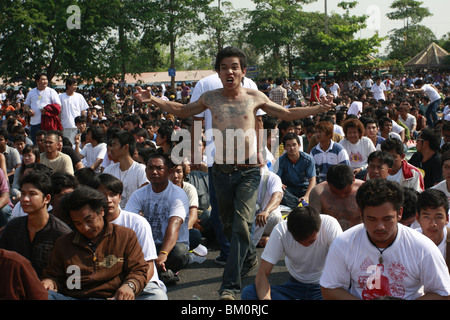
432	168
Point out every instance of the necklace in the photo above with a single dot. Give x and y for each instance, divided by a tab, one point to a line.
380	260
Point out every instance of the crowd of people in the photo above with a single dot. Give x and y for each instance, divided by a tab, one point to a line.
346	178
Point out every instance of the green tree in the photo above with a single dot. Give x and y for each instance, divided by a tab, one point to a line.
406	42
272	29
338	49
171	20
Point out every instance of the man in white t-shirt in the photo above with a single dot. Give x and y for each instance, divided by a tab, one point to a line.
112	188
379	90
166	207
382	257
304	240
36	100
121	147
94	151
270	194
407	119
73	105
435	100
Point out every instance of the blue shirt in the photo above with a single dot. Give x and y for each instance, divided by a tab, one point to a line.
296	175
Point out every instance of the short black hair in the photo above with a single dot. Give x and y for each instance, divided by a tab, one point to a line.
432	198
376	192
303	221
340	176
383	156
111	183
81	196
125	138
393	144
291	136
63	180
230	52
40	180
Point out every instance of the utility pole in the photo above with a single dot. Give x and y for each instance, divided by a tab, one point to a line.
326	17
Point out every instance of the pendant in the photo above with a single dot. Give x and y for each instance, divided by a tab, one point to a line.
380	260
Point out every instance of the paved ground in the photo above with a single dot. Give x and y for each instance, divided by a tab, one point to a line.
201	281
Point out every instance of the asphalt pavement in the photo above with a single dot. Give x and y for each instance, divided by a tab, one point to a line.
201	281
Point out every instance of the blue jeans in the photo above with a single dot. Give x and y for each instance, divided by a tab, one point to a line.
237	193
33	130
215	218
290	290
431	113
5	215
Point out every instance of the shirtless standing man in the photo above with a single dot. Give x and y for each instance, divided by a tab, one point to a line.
337	196
236	172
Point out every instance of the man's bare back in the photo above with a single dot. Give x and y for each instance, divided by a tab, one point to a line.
342	207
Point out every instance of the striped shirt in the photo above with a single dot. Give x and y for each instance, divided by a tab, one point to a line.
335	154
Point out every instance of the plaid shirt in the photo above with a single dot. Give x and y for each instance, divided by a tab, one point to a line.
15	237
278	95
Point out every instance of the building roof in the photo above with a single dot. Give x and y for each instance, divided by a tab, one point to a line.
431	57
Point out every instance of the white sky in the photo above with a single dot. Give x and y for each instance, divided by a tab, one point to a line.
439	23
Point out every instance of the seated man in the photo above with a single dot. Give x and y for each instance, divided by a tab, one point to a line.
404	173
268	215
112	188
427	158
98	260
34	235
432	215
166	208
379	165
297	171
94	150
336	196
327	152
53	158
381	257
304	239
121	148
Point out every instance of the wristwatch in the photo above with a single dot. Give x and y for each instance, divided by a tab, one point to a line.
131	285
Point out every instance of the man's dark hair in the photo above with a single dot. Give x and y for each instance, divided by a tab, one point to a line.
376	192
86	176
432	136
97	133
230	52
63	180
40	167
340	176
111	183
160	155
383	156
125	138
80	119
165	131
291	136
38	75
410	196
40	180
393	144
81	196
69	82
303	221
432	198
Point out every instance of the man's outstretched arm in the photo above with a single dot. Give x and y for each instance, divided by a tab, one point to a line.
178	109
